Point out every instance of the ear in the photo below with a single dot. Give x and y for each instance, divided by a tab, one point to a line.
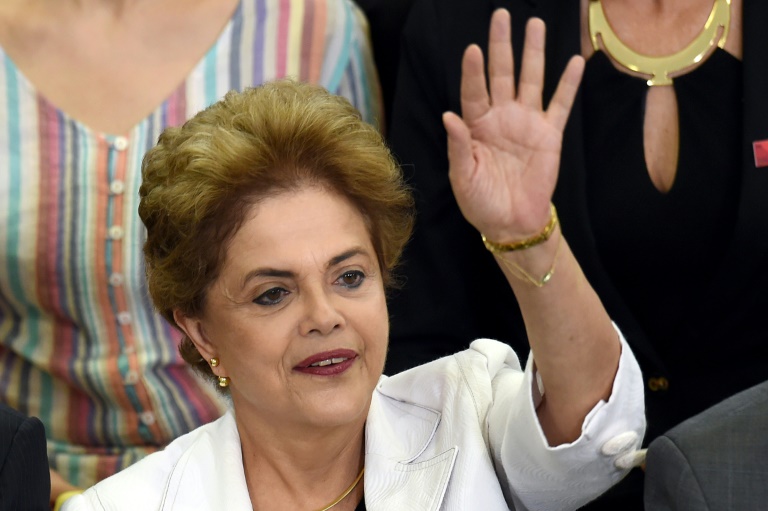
193	327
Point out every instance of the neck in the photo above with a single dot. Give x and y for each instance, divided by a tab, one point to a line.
307	467
658	6
115	5
99	9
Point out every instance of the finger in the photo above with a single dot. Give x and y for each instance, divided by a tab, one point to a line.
474	94
462	161
532	70
562	101
501	69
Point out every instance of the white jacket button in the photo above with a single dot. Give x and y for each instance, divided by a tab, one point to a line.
620	443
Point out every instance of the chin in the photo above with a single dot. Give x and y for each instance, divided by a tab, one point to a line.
339	409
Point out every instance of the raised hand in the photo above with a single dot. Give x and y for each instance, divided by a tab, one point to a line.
505	151
504	159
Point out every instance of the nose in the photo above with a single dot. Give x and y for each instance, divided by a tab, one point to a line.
321	315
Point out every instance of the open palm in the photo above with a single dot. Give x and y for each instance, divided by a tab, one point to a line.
505	151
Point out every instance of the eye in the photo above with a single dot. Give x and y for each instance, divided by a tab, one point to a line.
271	297
351	279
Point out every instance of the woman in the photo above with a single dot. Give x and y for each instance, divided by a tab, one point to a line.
80	344
274	219
661	195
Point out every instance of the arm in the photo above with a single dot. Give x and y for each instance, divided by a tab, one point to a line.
504	157
61	490
474	299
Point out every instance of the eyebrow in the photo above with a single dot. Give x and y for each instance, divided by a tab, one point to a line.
273	272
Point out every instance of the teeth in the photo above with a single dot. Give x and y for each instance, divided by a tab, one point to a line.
327	362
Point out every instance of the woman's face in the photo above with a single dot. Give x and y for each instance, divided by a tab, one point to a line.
297	316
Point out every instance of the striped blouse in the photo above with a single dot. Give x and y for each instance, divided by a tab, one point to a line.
80	345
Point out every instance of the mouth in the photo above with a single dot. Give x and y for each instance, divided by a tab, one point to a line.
327	363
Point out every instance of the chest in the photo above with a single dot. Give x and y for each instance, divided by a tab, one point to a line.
658	30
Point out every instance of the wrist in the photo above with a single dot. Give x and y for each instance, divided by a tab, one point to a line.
535	265
542	236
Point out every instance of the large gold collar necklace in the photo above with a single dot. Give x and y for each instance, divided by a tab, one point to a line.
660	68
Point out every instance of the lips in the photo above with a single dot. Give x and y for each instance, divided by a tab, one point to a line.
327	363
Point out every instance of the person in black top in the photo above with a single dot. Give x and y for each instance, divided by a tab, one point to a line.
386	19
660	193
25	482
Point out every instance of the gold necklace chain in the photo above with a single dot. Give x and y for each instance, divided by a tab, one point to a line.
660	68
346	492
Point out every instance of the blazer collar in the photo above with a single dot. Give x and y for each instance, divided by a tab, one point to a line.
210	472
400	471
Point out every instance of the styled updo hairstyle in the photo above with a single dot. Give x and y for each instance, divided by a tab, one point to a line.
200	180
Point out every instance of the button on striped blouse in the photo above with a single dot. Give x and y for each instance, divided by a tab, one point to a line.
80	345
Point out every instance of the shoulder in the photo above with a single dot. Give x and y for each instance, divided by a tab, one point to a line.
472	370
733	421
715	457
738	425
18	428
24	476
430	408
10	419
162	474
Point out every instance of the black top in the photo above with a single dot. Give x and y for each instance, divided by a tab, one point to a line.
385	20
25	481
361	505
661	250
631	217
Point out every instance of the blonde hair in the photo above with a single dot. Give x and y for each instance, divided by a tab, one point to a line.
201	178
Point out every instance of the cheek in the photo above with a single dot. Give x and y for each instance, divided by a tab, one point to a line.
252	346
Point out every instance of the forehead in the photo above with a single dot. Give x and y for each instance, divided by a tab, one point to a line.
293	225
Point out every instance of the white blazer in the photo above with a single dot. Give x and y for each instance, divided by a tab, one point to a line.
459	433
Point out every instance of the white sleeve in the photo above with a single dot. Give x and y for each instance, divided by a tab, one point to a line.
566	476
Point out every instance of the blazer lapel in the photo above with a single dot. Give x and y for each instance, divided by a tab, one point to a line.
401	473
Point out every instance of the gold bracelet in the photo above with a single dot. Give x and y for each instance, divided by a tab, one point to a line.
63	497
518	272
500	248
